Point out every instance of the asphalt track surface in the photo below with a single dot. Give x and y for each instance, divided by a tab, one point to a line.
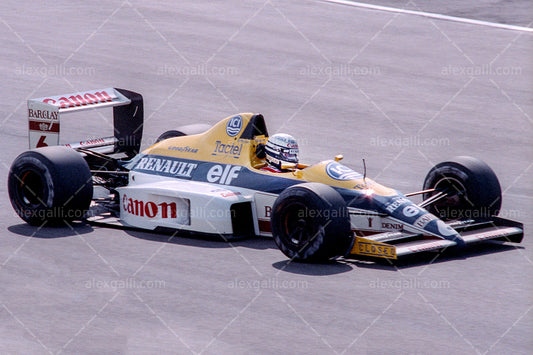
401	91
516	12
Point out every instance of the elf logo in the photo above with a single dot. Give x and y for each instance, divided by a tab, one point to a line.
223	174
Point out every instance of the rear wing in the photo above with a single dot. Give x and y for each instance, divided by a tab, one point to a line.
44	122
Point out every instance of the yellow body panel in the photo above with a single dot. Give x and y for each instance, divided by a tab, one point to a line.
216	145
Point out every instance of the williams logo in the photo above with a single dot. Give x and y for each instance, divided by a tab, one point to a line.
234	125
410	211
340	172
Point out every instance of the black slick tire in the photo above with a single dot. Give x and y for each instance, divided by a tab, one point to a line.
50	184
473	190
310	223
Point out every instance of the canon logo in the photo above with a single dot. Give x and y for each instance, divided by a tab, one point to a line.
80	99
148	208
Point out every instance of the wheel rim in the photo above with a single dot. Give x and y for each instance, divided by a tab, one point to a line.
30	189
456	199
298	227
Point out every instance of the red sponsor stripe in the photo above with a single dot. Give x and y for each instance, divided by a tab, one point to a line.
44	126
80	99
264	226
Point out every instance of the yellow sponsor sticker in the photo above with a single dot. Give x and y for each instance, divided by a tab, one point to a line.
369	247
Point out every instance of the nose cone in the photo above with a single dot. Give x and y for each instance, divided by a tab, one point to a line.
438	227
403	209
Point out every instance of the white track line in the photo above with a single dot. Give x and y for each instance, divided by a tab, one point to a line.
431	15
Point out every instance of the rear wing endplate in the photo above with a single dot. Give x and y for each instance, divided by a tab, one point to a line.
44	122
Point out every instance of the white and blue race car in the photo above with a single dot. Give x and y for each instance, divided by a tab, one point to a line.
208	181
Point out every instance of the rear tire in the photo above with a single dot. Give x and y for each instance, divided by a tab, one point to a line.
50	184
310	223
473	189
188	130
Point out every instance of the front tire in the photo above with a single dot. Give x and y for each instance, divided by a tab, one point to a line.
473	190
50	184
310	223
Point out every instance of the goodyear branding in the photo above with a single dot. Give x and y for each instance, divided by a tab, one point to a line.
234	126
234	149
340	172
185	149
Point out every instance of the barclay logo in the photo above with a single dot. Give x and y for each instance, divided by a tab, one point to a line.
44	114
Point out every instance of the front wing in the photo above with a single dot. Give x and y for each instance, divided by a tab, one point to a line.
394	245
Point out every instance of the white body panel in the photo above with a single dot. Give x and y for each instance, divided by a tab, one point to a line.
151	201
368	221
43	113
264	202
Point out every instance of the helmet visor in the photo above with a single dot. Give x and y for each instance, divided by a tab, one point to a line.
290	155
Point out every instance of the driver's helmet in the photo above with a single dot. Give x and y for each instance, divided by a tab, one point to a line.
281	149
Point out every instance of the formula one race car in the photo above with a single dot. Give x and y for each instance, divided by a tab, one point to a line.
208	181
